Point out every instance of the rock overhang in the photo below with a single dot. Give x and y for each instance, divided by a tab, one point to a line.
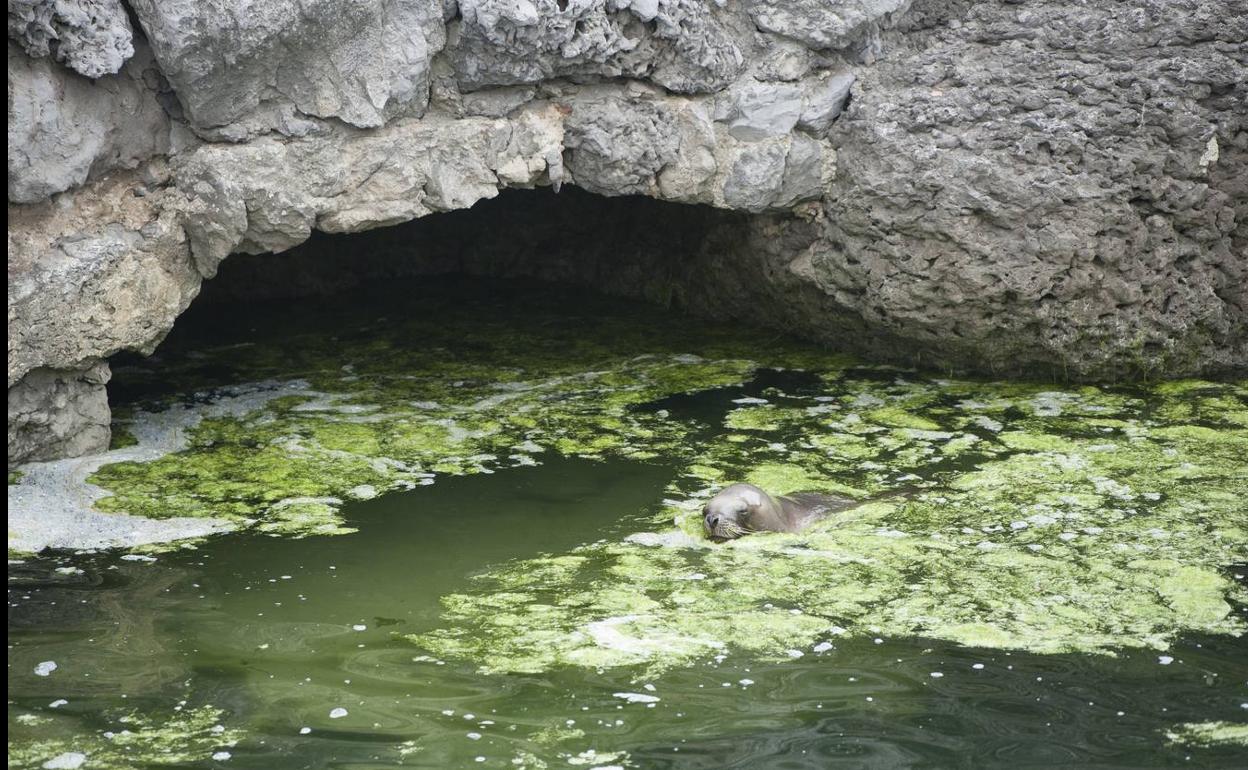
967	210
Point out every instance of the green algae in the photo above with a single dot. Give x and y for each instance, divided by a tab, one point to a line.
468	389
1205	734
1004	515
1072	521
185	737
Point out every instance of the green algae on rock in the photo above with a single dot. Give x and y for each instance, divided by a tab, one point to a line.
186	737
1073	521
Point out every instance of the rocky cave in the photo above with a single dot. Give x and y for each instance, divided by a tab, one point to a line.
627	383
967	186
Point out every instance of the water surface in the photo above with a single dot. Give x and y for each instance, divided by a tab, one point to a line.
509	615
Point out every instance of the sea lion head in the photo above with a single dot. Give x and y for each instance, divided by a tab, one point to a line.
739	510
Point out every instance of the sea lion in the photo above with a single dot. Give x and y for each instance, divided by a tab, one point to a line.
742	509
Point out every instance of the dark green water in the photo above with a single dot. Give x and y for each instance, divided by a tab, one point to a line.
197	623
273	634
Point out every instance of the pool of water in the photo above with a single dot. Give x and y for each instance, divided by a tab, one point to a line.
483	610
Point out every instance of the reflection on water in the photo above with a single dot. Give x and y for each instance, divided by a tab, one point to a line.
279	633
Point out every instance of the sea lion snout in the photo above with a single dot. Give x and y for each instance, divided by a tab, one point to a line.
713	520
727	514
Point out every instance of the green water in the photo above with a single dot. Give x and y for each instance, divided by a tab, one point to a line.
1048	577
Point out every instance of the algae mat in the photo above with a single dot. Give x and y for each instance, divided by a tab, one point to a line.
1009	515
1041	521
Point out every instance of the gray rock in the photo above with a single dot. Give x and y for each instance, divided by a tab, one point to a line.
59	414
268	195
821	24
97	271
804	175
618	144
1055	188
681	45
240	69
756	174
689	177
91	37
497	102
754	111
824	100
786	61
1033	190
65	129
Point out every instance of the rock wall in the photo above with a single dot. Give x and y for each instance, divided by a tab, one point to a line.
1047	187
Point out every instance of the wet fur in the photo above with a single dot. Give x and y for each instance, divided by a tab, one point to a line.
743	509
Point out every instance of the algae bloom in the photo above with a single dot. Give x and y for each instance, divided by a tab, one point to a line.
1050	521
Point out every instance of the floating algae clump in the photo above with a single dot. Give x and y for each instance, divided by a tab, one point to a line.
462	387
1016	517
186	737
1209	734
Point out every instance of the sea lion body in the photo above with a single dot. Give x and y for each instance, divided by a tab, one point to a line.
742	509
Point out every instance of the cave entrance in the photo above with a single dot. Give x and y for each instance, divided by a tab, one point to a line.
537	246
466	343
623	246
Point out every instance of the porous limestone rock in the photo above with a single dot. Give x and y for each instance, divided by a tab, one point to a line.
56	414
685	46
95	272
91	37
1031	188
821	24
65	129
244	68
1050	188
269	194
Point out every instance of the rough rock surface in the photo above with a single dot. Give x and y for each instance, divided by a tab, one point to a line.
59	413
682	45
242	68
1047	186
65	129
98	271
1044	187
91	37
840	24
